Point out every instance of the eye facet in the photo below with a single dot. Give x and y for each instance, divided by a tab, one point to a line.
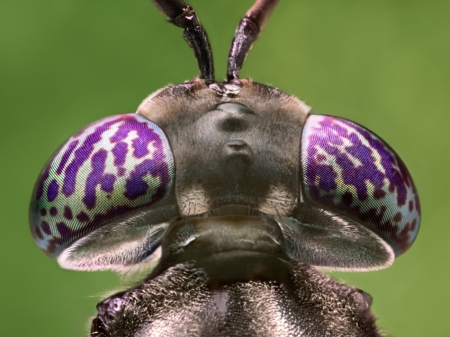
353	173
108	171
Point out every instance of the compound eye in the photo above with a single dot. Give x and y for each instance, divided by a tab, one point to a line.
353	175
107	173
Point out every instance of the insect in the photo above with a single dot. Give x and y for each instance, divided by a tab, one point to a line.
234	195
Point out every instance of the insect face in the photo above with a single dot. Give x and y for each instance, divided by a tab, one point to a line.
226	186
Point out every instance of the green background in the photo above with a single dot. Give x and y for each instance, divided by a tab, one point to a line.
65	63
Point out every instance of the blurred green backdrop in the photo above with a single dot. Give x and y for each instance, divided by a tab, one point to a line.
66	63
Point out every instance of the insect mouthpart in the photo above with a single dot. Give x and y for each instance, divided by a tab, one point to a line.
254	242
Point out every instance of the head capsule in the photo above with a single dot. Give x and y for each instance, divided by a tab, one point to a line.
340	196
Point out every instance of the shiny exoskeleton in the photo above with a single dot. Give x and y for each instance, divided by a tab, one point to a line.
233	193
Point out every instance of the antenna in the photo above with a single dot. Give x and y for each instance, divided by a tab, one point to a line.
246	33
182	15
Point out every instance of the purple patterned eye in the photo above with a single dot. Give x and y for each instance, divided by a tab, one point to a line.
115	169
353	174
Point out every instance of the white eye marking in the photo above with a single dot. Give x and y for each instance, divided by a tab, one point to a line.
193	200
280	200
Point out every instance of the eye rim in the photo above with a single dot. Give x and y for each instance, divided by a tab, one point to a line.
326	246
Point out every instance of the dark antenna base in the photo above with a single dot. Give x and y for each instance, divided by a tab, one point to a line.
248	31
181	14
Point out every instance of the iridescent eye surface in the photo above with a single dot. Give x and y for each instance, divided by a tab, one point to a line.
350	171
108	171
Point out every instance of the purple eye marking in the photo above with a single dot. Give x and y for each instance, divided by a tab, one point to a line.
66	156
45	227
53	211
40	183
107	170
95	177
52	191
82	217
68	213
120	152
353	172
81	156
